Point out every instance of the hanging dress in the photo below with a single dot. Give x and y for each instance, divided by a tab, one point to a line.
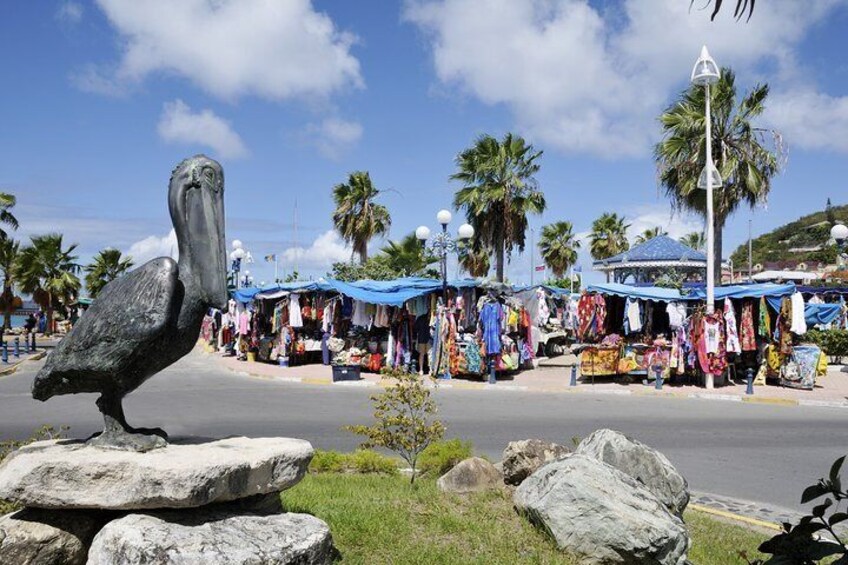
732	343
746	329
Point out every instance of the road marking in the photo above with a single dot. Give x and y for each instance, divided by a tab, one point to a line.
736	517
773	401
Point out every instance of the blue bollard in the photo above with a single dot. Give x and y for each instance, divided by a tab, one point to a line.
16	350
749	376
493	379
573	375
5	353
659	382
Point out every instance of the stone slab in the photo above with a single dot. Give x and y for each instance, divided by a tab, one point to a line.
190	537
47	537
185	474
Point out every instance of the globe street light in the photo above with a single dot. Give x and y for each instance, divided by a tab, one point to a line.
443	243
237	255
839	233
704	74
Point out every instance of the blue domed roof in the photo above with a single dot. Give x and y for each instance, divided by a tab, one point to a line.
660	248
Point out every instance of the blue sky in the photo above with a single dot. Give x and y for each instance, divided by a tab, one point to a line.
100	100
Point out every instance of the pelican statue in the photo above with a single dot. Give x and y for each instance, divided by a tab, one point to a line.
149	318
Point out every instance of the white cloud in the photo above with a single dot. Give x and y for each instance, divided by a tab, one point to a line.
69	12
810	119
675	224
154	246
328	248
231	48
592	81
332	136
178	124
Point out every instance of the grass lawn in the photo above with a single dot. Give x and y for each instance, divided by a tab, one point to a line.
382	519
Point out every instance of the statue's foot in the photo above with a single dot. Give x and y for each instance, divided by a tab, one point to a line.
128	441
151	432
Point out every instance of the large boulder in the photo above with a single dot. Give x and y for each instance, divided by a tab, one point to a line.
643	463
522	458
71	475
212	537
470	475
601	515
47	537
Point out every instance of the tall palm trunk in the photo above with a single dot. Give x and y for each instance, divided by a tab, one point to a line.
49	311
363	255
499	256
718	224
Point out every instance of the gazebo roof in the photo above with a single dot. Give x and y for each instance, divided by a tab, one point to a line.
660	251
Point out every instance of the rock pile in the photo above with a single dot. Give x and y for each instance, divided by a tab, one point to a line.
522	458
613	501
214	502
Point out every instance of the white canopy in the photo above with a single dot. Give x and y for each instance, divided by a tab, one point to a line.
785	276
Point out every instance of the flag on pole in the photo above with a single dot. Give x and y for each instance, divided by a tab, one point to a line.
540	267
271	258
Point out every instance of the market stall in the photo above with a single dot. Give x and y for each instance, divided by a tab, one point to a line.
632	331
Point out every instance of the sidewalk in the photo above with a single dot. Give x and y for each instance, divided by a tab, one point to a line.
15	362
830	391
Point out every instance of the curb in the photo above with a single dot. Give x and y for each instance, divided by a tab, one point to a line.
580	389
12	368
735	517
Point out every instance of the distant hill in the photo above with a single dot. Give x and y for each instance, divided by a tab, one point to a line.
806	239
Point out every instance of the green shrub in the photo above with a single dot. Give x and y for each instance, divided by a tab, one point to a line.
327	462
834	343
441	456
404	420
364	461
369	461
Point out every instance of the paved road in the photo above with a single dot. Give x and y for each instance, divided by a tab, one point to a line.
755	452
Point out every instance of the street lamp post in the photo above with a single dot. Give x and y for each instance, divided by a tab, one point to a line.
443	243
839	233
706	73
237	255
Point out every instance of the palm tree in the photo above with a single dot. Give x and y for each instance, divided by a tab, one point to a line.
741	157
48	272
650	234
609	236
7	201
474	260
499	191
356	217
741	7
108	265
695	240
559	247
8	301
407	256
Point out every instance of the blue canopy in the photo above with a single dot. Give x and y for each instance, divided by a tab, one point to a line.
744	291
814	314
655	293
394	292
821	313
245	295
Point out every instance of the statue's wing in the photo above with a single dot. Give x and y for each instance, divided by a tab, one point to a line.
130	313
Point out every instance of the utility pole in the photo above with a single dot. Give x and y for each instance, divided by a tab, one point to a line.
750	253
532	258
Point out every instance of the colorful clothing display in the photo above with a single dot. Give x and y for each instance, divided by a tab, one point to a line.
746	328
732	344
